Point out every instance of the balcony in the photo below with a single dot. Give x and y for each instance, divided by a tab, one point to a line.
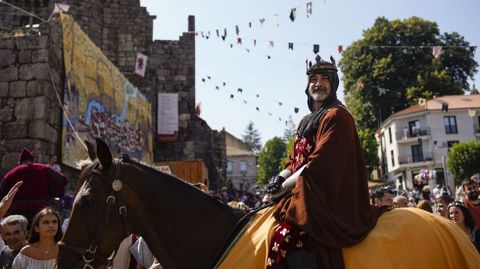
416	160
409	137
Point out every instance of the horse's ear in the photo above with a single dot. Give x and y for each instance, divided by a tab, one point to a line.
92	154
103	153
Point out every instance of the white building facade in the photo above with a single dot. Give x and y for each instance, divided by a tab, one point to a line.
241	164
417	139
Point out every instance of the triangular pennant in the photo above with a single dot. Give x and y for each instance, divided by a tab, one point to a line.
249	24
437	51
254	42
270	44
244	101
209	77
280	103
208	33
382	91
293	14
239	41
262	20
290	46
270	114
277	20
217	88
269	57
296	110
231	96
224	84
240	90
237	30
258	109
316	48
203	80
60	8
231	45
258	95
247	50
218	33
340	48
309	9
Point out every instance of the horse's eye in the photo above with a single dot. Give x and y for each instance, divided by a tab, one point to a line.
87	201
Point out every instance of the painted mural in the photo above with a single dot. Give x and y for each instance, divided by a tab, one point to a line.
100	103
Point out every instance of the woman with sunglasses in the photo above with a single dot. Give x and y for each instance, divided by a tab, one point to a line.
458	212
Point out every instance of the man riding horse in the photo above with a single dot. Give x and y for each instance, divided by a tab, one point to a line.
329	207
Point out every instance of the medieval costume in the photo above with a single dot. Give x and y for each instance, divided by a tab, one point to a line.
41	184
330	201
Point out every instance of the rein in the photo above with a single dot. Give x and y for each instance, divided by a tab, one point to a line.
90	254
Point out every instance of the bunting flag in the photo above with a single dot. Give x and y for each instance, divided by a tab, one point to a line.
293	14
382	91
203	80
198	109
141	64
269	57
437	51
245	101
258	109
239	41
217	88
254	42
258	95
296	110
249	24
290	46
309	9
237	30
224	34
270	44
280	103
218	33
60	8
231	96
316	48
224	84
240	90
262	20
209	77
277	19
340	48
231	45
247	50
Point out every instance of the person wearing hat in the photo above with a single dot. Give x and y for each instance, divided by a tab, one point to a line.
41	184
329	207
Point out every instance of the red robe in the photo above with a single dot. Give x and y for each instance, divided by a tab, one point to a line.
330	201
41	184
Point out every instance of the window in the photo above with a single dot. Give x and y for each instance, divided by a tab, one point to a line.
414	128
450	124
451	143
417	153
229	167
392	157
243	167
390	134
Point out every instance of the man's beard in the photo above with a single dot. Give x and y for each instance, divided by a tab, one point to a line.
473	196
319	95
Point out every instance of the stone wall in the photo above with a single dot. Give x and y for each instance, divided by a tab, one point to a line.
121	28
30	113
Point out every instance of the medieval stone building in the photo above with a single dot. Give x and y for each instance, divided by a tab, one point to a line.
30	111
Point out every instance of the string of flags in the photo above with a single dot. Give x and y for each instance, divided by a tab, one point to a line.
241	92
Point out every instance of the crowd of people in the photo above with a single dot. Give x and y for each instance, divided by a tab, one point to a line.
463	210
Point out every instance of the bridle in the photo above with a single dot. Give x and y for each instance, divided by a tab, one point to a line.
113	201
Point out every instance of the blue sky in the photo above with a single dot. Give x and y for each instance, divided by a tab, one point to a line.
282	77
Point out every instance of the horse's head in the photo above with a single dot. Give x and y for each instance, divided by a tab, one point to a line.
98	213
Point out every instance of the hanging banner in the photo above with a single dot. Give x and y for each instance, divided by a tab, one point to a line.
100	102
167	117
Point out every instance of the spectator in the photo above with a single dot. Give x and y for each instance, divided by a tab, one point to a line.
52	161
442	200
425	205
400	201
470	187
41	185
383	197
459	213
15	236
42	250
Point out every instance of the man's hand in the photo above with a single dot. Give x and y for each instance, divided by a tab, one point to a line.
275	184
8	199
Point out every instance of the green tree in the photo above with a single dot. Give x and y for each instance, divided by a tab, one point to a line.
288	150
369	149
269	159
252	137
392	66
464	160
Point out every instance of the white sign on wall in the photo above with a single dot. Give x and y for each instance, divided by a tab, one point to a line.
167	119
